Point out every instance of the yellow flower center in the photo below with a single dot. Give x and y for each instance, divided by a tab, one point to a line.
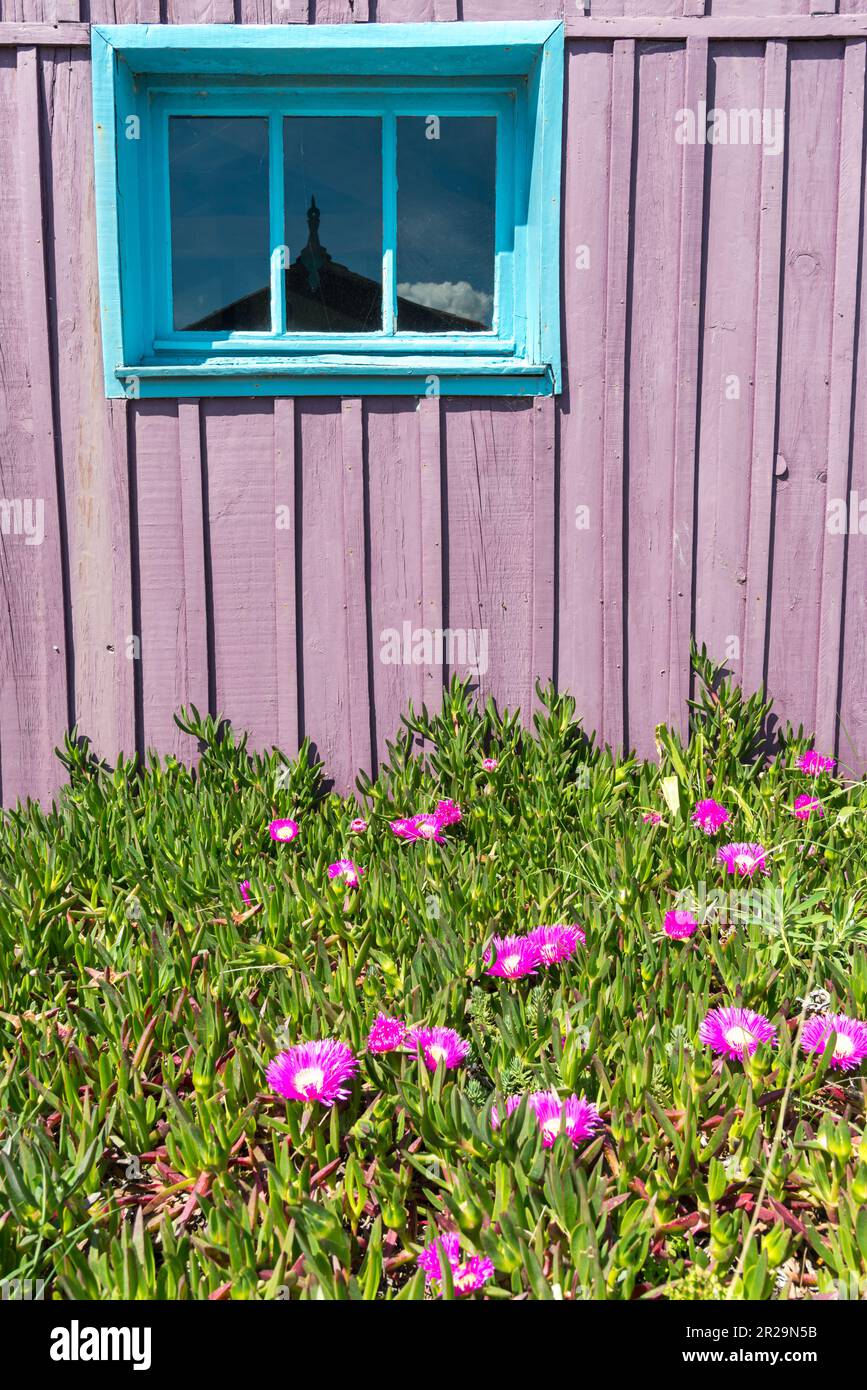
437	1052
739	1037
845	1046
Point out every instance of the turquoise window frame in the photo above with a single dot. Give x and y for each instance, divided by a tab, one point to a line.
143	75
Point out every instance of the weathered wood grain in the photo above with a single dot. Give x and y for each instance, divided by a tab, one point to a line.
843	342
613	530
34	709
734	220
582	460
801	483
760	521
680	619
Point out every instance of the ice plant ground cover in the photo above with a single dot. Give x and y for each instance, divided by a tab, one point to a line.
229	1072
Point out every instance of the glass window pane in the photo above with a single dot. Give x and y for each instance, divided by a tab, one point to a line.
218	177
333	191
446	205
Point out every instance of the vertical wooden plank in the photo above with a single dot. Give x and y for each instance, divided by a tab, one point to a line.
581	408
239	482
767	345
35	718
490	545
853	706
286	523
800	497
321	608
85	421
614	411
686	398
355	585
542	652
396	563
157	509
125	664
728	358
846	271
693	9
430	463
195	625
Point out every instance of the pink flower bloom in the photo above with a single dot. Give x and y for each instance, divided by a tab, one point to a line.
448	812
557	943
576	1117
358	826
851	1045
679	925
651	818
347	870
425	827
467	1276
490	764
428	827
805	805
710	815
734	1031
284	830
313	1071
814	763
516	956
438	1045
244	889
386	1035
743	859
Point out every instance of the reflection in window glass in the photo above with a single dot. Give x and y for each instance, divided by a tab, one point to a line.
218	180
333	191
446	175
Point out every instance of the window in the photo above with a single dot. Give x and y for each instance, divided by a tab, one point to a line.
353	209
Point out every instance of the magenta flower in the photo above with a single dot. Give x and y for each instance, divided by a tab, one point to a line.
438	1045
467	1276
651	818
313	1071
516	956
710	815
490	764
805	805
386	1035
851	1045
428	827
244	889
347	870
425	827
284	830
679	925
743	859
814	763
577	1117
557	943
358	826
734	1031
448	812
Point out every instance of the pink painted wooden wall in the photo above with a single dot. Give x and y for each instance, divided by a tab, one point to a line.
716	402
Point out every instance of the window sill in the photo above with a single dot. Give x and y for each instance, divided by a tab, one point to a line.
332	375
